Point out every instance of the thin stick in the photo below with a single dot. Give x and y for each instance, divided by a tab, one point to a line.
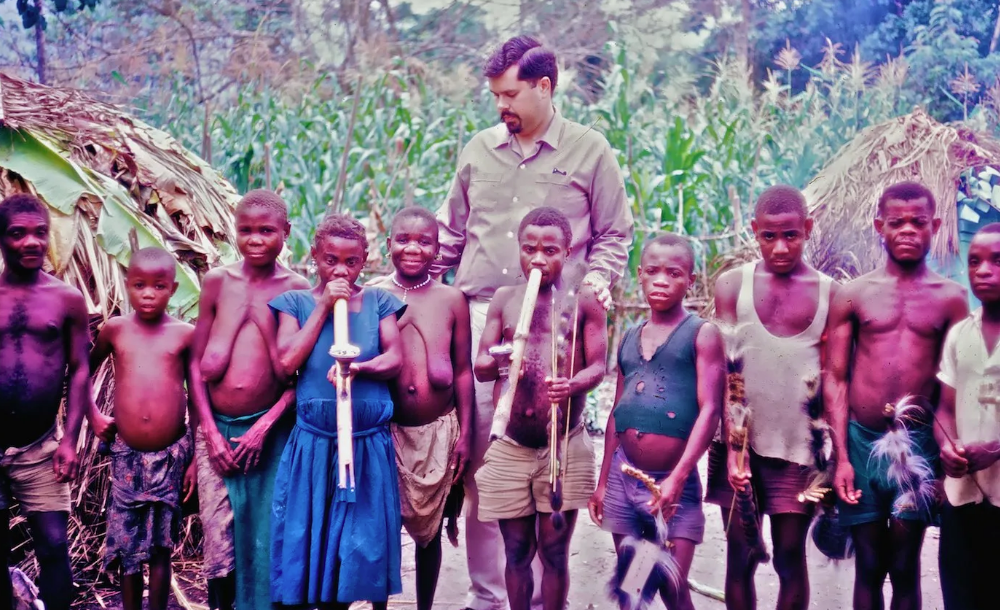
338	193
554	465
572	372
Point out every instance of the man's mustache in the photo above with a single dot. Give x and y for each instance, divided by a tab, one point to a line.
506	114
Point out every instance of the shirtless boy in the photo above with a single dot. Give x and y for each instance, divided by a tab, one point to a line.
43	347
778	306
243	427
514	481
433	395
885	333
152	356
671	380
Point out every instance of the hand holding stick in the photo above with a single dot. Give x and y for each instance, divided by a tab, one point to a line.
501	417
344	353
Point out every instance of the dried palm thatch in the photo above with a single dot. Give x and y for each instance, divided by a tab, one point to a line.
844	195
105	176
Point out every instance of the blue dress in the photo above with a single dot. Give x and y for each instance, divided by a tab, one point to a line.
328	545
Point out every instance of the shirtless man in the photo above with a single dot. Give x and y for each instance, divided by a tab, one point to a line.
43	347
242	434
779	307
514	480
433	395
885	333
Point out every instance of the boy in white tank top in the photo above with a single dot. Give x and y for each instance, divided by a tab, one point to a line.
779	307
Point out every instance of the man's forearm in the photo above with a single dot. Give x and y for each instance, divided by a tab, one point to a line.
698	442
587	379
78	402
835	397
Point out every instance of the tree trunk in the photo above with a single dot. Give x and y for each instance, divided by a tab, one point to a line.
40	42
996	32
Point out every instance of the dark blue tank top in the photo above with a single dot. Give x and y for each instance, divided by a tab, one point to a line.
660	396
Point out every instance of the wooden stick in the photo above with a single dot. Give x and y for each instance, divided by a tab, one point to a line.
572	372
553	407
344	353
501	417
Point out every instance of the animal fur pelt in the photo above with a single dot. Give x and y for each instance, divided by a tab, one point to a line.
738	416
831	537
908	471
817	425
665	573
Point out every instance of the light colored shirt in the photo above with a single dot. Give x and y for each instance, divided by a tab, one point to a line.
777	370
572	168
974	373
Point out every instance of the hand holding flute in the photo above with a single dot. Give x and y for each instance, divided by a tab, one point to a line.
344	353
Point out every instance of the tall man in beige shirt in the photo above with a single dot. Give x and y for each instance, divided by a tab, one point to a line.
533	158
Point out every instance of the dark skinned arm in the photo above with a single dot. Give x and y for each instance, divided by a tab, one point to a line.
595	351
710	363
386	365
839	341
727	292
465	393
596	504
78	395
487	368
220	453
102	425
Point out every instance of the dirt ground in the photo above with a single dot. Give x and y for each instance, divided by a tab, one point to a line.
592	562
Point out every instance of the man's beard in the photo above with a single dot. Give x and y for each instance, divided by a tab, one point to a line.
512	127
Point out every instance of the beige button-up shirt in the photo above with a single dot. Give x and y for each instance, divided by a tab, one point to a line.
974	373
572	169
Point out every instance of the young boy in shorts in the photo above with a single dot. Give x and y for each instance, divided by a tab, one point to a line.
244	421
152	451
671	372
778	306
969	437
514	480
433	395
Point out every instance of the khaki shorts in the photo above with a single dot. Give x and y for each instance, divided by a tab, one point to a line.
28	477
219	557
514	480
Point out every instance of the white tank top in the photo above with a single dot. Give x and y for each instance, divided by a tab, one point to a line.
776	371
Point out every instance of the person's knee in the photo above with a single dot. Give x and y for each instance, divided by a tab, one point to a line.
49	548
519	550
790	562
554	554
904	572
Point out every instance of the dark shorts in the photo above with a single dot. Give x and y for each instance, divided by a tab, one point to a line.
776	483
626	512
145	510
877	494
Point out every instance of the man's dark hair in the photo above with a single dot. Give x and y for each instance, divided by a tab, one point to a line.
266	200
546	217
414	211
671	239
21	203
534	61
154	257
907	191
341	225
781	199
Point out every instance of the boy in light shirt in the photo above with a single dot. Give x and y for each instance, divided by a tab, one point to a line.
969	436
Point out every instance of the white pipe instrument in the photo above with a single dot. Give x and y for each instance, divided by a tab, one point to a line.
344	353
501	417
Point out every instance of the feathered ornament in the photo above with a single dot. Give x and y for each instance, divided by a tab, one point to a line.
644	567
738	416
908	471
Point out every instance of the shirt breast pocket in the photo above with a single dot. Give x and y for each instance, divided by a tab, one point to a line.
563	193
484	189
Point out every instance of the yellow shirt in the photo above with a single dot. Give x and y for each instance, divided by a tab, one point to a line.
572	168
967	367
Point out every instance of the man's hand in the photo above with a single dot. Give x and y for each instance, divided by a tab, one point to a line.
738	478
103	426
220	454
670	495
460	461
981	455
190	481
843	482
602	289
559	389
596	505
953	460
65	462
249	446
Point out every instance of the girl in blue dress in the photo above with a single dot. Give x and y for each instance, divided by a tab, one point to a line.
330	547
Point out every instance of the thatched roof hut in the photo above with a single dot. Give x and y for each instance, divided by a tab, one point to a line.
109	179
103	174
844	195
